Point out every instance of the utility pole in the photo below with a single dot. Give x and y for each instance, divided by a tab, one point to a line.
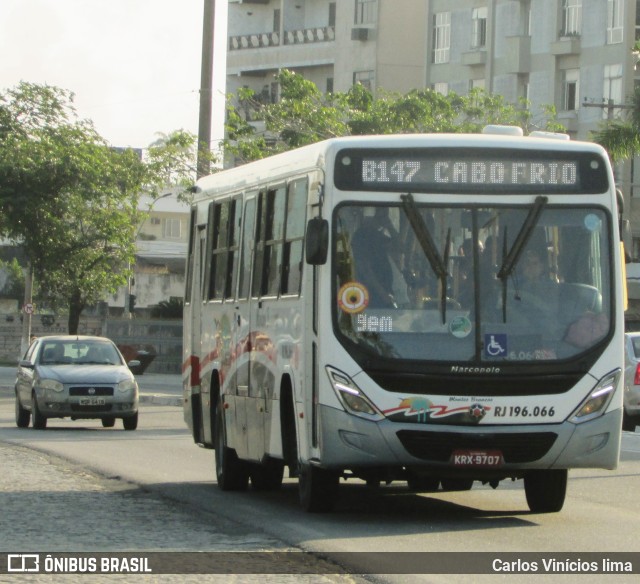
206	89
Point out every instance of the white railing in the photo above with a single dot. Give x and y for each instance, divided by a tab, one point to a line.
320	34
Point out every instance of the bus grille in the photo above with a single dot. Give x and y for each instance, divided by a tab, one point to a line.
439	446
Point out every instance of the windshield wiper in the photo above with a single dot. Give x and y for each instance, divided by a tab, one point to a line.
438	265
510	260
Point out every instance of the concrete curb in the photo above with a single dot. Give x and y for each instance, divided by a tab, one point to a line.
160	400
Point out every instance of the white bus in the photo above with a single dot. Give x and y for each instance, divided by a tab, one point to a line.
432	309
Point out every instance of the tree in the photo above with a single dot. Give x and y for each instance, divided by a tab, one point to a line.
70	199
304	115
621	137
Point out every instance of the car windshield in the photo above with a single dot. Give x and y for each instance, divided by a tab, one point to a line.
76	352
471	284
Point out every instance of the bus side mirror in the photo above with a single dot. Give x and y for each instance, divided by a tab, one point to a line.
317	241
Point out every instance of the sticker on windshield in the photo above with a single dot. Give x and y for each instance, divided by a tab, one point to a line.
460	327
353	297
495	345
592	222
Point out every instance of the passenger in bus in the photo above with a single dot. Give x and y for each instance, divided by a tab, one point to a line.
373	251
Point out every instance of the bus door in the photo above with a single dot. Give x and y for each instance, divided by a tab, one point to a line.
242	331
270	217
195	356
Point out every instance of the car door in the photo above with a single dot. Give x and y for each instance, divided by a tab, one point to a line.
24	379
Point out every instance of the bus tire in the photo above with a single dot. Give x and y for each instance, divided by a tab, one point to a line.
267	476
546	490
232	474
318	488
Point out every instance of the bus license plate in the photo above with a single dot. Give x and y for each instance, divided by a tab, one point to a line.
92	401
483	458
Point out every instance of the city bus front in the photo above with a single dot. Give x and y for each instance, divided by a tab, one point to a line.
476	305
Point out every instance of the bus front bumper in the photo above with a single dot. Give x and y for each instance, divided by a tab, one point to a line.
347	442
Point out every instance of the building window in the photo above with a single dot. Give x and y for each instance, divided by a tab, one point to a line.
570	85
526	18
615	21
365	12
441	37
364	78
612	90
477	84
442	88
171	228
479	27
571	17
637	20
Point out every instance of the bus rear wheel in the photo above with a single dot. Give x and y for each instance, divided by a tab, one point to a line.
232	474
318	488
546	490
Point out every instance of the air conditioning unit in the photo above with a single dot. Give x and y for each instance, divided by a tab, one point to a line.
359	34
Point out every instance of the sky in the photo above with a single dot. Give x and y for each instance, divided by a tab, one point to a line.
133	65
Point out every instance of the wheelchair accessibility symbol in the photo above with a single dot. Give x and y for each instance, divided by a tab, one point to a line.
495	345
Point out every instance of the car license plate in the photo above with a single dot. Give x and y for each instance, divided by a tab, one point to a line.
482	458
91	401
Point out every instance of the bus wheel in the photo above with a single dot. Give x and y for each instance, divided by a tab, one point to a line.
318	488
268	476
546	490
232	474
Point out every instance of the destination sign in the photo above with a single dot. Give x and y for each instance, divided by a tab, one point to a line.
470	171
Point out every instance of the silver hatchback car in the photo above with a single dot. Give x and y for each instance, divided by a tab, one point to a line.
631	381
78	377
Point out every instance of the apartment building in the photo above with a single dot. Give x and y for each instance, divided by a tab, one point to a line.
572	54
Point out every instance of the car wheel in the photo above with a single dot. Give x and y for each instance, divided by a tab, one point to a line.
130	422
546	490
39	421
22	416
108	422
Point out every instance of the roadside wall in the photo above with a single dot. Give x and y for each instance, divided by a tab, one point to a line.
160	338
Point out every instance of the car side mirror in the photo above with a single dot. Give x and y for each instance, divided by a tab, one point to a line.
26	364
317	241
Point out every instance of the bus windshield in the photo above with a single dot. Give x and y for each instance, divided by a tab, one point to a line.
475	284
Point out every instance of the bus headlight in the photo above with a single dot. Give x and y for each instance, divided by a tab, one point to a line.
597	401
351	396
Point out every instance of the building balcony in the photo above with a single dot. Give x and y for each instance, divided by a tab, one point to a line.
319	34
475	57
518	54
566	45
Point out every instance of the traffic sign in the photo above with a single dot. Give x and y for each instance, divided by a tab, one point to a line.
28	308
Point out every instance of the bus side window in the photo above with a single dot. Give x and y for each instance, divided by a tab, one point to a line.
294	237
245	258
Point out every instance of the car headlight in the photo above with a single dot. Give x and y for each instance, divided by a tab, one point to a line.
598	399
127	385
51	384
352	397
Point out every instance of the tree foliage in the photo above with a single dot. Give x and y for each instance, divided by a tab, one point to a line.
70	199
304	115
621	137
